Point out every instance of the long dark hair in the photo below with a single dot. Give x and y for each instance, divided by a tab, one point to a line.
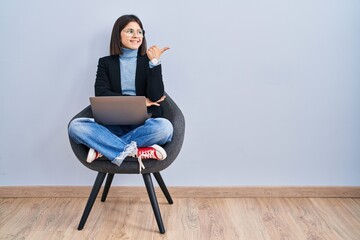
119	25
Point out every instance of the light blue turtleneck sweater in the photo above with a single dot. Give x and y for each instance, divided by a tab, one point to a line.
128	70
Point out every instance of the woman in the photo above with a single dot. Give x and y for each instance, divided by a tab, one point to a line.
131	69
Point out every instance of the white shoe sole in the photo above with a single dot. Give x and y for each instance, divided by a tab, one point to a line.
91	155
160	151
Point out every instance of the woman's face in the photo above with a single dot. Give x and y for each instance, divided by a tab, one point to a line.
132	36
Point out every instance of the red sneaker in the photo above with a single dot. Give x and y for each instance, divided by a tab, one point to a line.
92	155
153	152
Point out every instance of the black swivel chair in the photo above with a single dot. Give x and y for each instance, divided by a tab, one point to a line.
104	167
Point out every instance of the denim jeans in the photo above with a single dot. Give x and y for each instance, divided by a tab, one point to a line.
113	141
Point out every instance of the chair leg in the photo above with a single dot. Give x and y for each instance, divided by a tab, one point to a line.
109	179
154	203
94	192
163	187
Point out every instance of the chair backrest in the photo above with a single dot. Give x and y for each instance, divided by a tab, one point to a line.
171	112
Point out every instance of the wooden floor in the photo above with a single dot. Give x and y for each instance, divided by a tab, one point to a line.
187	218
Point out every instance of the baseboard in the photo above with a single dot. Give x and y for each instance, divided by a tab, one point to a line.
185	192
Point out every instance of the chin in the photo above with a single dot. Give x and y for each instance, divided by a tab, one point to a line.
133	47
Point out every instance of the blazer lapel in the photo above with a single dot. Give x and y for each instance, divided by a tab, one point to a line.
139	75
115	74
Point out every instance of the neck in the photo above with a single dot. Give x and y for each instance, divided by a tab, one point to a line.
129	53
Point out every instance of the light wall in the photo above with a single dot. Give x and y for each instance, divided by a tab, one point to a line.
270	89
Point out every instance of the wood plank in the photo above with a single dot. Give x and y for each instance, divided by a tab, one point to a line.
187	218
184	192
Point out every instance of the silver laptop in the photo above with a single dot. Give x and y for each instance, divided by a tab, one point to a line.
119	110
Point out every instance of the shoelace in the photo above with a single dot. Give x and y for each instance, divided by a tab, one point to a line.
141	165
145	155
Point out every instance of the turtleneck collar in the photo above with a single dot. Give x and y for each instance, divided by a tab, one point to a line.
128	53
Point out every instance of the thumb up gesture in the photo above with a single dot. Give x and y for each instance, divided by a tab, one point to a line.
155	52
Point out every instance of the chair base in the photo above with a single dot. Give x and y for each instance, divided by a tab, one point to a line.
149	187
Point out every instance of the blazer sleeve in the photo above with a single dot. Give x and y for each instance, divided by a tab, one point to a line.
103	83
155	84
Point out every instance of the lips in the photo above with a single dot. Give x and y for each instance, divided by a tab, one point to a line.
132	43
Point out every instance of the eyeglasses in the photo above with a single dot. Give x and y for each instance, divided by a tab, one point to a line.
130	32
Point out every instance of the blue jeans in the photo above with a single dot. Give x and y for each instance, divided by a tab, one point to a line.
113	141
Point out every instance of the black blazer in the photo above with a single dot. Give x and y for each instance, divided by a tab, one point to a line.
148	81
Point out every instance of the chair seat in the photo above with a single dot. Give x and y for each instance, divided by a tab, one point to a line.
130	165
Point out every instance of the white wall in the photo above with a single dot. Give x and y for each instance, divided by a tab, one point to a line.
269	89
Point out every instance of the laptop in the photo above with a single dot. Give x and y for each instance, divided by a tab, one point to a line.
119	110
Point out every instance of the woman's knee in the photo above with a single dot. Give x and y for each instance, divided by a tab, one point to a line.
165	127
78	126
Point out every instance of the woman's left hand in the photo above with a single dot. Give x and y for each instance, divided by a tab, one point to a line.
155	52
157	103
